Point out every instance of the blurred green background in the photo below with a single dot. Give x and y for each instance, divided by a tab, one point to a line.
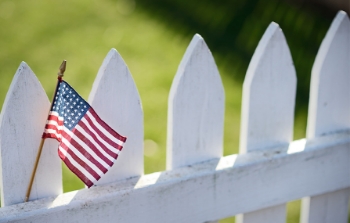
152	37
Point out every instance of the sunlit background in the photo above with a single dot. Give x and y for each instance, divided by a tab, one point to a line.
152	37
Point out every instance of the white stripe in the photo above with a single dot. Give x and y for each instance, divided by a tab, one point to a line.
102	129
82	157
109	146
53	122
77	165
50	131
55	114
88	136
86	148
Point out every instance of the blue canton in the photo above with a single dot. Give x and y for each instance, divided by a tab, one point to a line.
69	105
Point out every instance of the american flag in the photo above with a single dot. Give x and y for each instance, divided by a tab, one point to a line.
87	145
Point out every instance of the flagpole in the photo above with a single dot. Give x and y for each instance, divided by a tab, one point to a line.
60	73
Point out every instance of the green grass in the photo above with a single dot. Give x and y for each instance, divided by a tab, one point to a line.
43	33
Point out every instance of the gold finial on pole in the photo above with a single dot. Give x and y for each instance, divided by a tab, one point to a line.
62	69
60	74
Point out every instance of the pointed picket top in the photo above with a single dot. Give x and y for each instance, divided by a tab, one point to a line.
22	122
329	111
268	101
329	106
195	108
115	98
268	94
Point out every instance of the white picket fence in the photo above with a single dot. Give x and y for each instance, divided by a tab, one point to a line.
199	185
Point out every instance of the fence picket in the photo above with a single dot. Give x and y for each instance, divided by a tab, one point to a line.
268	107
115	98
269	171
329	111
22	123
195	109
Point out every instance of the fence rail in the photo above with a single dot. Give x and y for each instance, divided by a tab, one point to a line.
199	185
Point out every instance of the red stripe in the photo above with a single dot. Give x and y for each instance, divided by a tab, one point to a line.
81	162
101	144
105	126
83	138
55	118
81	149
75	170
53	127
101	134
50	135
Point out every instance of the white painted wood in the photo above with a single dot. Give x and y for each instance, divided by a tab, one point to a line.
215	189
22	122
329	108
329	111
195	109
268	107
274	214
326	208
268	94
115	98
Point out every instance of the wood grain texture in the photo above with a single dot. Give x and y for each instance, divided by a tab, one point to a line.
329	111
272	214
268	98
268	101
22	122
206	191
115	98
195	109
329	108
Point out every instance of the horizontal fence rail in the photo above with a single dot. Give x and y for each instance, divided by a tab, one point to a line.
206	191
199	184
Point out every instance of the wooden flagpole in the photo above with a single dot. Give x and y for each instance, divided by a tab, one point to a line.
60	74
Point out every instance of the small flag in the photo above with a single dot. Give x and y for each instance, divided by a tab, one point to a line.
87	145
